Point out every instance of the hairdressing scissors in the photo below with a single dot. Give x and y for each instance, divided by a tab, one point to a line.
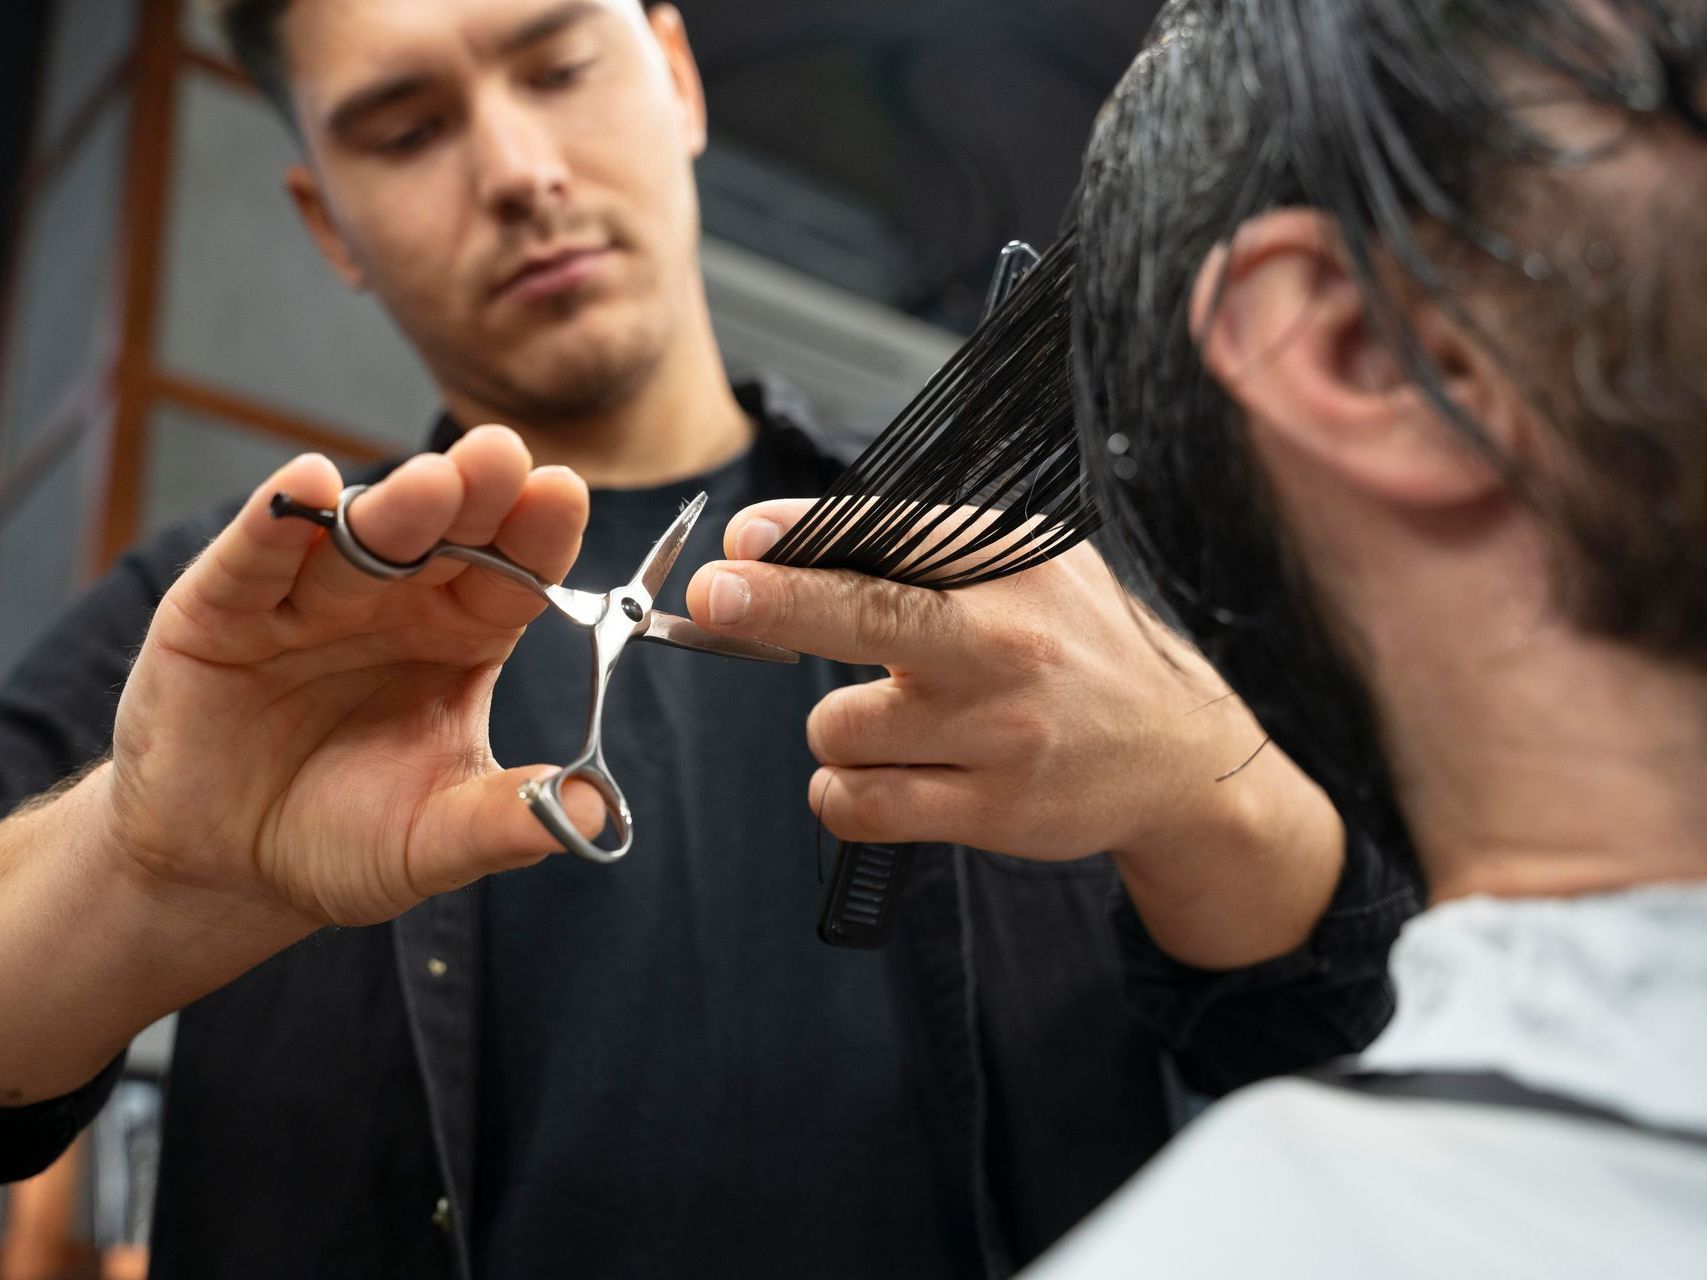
611	620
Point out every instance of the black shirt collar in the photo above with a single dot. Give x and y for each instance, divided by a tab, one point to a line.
775	405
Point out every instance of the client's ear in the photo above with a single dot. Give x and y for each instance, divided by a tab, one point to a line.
1282	325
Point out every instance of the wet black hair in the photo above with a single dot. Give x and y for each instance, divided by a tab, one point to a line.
1389	117
978	477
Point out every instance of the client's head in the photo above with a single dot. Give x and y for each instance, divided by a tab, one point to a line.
1391	347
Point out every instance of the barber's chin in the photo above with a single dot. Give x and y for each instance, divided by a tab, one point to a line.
587	373
596	312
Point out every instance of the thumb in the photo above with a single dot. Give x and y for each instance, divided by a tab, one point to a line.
756	529
482	826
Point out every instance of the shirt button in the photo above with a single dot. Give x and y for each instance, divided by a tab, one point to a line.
441	1215
438	968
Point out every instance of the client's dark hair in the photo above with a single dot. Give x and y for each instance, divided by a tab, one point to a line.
1385	115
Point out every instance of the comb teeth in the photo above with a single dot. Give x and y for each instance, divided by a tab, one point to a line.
865	892
979	476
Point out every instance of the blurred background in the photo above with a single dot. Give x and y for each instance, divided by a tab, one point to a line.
168	334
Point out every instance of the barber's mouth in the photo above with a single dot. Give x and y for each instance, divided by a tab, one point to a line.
550	277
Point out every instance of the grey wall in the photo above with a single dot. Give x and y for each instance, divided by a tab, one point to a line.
61	324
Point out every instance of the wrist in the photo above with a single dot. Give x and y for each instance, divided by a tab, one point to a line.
1249	874
204	934
94	946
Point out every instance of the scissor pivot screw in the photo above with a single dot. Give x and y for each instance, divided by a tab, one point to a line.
632	609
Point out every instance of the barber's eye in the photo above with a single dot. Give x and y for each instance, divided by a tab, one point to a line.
407	142
562	76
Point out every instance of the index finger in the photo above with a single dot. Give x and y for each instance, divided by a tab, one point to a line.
843	616
254	562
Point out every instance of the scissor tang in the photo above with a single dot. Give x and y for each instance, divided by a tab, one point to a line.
611	620
337	523
608	635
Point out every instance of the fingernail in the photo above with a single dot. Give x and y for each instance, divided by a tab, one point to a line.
756	538
731	597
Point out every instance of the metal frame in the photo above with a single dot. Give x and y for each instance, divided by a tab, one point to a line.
135	384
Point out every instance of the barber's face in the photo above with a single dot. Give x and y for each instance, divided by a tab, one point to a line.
513	178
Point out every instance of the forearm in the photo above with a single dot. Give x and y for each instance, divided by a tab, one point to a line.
93	948
1243	870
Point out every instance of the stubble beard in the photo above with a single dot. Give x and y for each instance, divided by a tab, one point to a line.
566	378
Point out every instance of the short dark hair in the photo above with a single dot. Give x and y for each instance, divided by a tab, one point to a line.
251	29
1388	118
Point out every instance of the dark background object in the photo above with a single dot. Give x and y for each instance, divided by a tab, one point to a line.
23	25
894	146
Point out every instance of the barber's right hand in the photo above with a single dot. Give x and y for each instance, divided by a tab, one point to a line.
303	738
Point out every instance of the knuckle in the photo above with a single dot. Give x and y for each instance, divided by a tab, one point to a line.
886	613
775	601
1002	803
580	499
1028	645
873	810
876	616
1024	728
833	727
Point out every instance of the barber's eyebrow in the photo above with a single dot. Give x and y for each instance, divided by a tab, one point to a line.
349	113
553	21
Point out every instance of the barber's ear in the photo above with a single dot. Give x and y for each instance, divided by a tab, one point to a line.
1281	323
672	35
311	205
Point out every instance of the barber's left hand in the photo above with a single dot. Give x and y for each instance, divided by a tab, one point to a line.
1045	716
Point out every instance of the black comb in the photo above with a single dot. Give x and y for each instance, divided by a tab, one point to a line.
977	479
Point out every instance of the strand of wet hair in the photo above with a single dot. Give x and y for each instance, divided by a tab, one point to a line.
979	476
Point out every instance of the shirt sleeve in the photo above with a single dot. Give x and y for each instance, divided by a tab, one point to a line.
33	1137
57	705
1227	1029
56	717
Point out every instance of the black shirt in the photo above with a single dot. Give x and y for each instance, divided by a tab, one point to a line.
331	1113
673	1068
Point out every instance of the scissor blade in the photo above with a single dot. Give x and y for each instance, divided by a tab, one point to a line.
662	558
667	628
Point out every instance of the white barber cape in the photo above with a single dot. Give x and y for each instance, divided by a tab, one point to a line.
1601	1001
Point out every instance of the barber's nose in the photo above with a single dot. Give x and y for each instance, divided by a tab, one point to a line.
520	170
